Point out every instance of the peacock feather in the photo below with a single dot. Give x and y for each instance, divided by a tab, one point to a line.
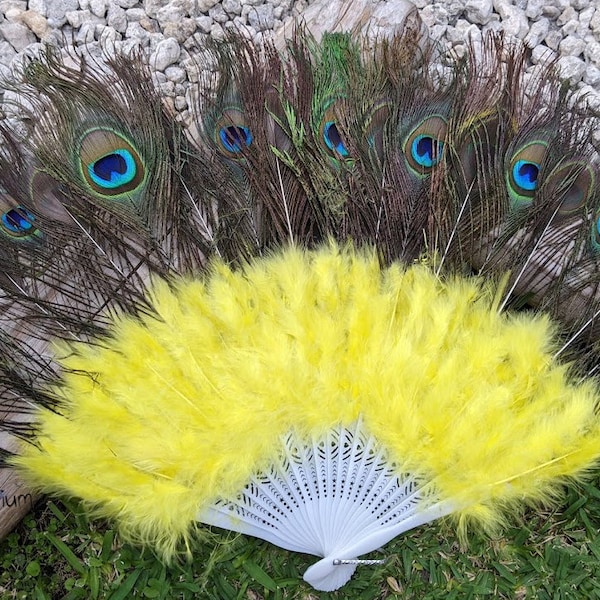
357	294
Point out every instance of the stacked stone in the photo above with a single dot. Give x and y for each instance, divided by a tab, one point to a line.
169	30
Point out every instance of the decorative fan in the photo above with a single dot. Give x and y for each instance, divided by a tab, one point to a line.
363	297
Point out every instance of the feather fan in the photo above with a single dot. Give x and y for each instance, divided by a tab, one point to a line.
359	294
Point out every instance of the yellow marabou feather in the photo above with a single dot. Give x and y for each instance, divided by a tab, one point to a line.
174	412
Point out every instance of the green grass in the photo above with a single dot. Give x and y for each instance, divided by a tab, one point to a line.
56	553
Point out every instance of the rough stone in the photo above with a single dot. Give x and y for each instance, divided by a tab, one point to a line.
592	76
19	36
261	18
159	78
78	18
98	7
180	103
479	11
567	15
241	23
124	3
37	23
107	36
135	14
513	20
217	14
130	46
572	46
205	5
167	52
151	7
592	53
217	32
167	88
585	18
538	31
170	13
7	53
570	27
38	6
204	24
552	12
542	55
232	7
180	30
86	34
175	74
553	39
116	18
535	9
6	6
13	14
57	10
149	25
595	23
135	31
571	68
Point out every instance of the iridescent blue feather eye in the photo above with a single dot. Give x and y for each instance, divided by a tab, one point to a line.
18	222
526	174
110	165
333	139
596	234
232	134
424	146
329	134
427	151
235	138
113	170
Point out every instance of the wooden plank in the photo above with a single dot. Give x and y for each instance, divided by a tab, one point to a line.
15	501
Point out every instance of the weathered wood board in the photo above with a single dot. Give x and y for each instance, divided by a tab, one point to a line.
15	499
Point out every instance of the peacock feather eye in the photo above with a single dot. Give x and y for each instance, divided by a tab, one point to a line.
523	174
232	134
333	139
329	133
475	154
235	138
572	184
596	233
426	150
18	223
375	124
109	163
424	146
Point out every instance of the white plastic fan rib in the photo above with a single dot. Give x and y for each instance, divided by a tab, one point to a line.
338	497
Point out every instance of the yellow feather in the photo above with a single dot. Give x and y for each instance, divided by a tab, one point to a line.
175	411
